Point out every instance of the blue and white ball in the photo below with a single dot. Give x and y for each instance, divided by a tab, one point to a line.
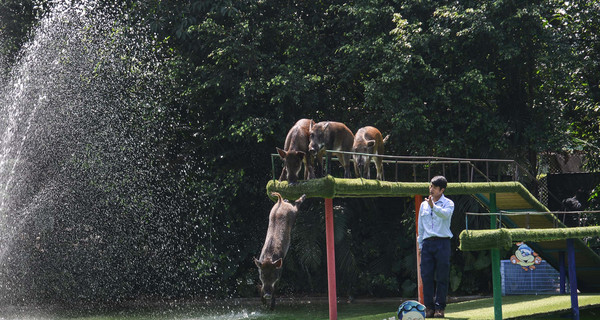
411	310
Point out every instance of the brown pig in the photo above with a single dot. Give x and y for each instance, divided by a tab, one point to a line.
330	135
368	140
295	152
281	219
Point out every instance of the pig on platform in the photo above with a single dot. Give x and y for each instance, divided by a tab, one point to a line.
330	135
368	140
295	152
281	220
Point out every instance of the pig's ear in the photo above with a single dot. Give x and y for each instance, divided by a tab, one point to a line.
282	153
257	262
278	263
370	143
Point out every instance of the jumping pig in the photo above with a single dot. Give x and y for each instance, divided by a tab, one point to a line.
330	135
295	152
368	140
281	219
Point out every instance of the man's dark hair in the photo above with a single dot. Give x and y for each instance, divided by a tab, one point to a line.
439	181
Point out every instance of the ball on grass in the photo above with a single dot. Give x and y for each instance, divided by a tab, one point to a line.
411	310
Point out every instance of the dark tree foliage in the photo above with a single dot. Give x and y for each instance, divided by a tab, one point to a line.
16	19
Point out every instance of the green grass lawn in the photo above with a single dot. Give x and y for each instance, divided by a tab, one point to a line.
515	307
547	307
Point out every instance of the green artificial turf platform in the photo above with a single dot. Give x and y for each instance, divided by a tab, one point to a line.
330	187
472	240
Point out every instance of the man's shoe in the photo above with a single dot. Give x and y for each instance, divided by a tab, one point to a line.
429	313
439	314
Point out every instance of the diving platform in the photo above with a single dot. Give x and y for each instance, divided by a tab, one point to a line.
506	197
511	197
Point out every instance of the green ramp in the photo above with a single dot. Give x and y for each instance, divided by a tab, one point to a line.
543	233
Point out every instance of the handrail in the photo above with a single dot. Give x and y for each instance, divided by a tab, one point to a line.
419	157
416	160
427	160
523	213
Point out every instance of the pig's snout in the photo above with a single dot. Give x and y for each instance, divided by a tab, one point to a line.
360	161
313	147
268	300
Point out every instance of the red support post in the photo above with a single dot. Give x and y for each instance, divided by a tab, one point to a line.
329	239
418	200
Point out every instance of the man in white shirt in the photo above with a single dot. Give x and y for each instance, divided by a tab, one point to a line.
434	237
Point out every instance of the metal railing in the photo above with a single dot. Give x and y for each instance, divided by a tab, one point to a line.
429	161
465	167
503	213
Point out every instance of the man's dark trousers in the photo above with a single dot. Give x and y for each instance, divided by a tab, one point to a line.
435	265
